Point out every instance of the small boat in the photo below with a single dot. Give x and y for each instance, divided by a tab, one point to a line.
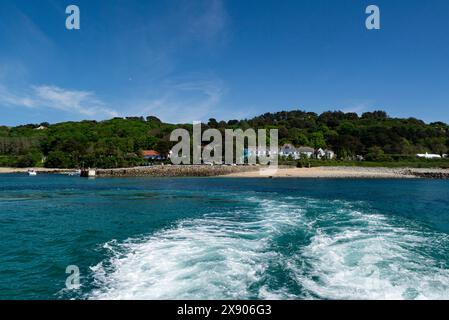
32	172
74	173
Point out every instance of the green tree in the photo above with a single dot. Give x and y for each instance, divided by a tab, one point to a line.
27	160
212	123
376	154
317	140
58	159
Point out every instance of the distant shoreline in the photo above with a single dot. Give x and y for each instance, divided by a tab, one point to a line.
254	172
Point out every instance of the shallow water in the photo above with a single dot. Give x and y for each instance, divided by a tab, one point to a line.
208	238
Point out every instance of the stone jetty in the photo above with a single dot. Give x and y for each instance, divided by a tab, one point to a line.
175	171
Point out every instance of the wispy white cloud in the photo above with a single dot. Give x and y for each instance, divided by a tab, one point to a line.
52	97
184	101
210	22
82	102
164	37
10	99
180	101
358	106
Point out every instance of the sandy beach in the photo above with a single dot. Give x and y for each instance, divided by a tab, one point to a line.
4	170
331	172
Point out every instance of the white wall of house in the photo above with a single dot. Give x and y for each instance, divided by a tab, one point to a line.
307	155
330	155
428	156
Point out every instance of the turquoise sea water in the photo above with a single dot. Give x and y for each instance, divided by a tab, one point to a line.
206	238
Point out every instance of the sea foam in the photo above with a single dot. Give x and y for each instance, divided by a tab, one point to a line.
346	251
370	256
214	257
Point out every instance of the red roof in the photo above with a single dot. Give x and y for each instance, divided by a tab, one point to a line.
149	153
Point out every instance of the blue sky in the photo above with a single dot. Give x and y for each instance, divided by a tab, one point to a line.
192	60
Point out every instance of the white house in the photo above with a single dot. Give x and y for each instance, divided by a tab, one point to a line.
320	153
306	152
325	154
428	156
289	150
272	152
259	151
329	154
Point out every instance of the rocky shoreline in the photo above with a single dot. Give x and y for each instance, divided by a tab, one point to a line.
427	173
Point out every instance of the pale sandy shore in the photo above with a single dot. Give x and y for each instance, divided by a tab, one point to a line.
330	172
41	170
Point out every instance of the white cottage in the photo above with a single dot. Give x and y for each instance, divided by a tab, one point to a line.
330	155
306	152
428	156
325	154
289	150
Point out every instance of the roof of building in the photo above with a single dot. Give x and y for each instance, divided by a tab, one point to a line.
288	148
306	149
149	153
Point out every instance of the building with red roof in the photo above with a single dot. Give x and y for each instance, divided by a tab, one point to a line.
152	155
